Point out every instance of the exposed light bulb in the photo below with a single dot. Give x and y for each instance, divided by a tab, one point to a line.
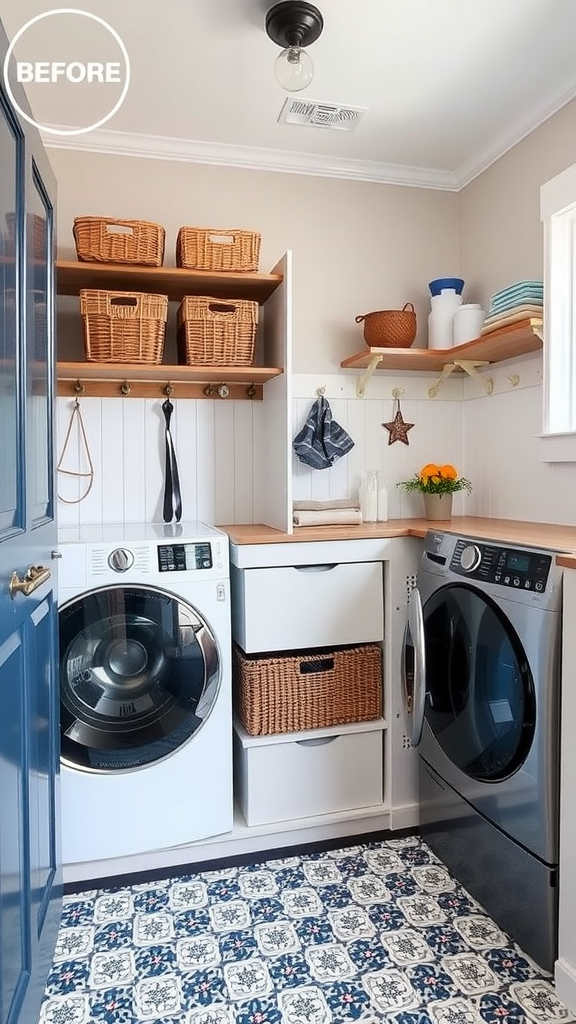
294	69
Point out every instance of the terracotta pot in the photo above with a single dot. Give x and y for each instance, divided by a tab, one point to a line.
438	507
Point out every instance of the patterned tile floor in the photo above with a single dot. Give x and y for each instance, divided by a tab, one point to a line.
374	933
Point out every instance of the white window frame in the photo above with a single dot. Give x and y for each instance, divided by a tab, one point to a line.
558	214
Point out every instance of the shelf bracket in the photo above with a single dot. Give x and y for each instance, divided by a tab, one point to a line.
470	366
363	380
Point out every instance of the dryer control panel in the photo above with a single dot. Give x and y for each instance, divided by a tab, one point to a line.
519	568
184	557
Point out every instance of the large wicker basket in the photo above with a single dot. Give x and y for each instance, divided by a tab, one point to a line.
307	690
217	249
106	240
123	327
389	328
220	332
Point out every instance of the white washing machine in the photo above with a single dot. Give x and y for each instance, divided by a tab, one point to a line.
145	688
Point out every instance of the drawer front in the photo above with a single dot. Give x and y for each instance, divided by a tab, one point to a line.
290	607
284	781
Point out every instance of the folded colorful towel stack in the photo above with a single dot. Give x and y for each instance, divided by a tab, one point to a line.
519	301
338	512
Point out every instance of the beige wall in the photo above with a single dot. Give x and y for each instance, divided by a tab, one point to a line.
500	228
357	246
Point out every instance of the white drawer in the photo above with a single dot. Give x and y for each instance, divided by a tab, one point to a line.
300	778
291	607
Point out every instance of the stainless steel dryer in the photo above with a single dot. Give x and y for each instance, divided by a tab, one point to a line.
482	682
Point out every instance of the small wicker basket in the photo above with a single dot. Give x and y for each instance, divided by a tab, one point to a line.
220	332
307	690
389	328
123	327
217	249
106	240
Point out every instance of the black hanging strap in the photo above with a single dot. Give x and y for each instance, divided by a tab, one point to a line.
172	497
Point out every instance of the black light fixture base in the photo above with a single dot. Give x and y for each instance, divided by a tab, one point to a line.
294	23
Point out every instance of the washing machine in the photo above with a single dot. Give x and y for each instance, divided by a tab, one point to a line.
482	690
145	688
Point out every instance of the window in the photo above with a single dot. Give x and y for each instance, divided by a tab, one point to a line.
558	213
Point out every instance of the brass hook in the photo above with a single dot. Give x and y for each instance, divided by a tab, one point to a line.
125	387
78	387
251	391
168	389
208	391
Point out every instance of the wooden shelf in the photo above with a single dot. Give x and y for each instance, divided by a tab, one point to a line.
174	282
505	343
106	380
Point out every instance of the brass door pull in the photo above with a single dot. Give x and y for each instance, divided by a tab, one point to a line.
34	578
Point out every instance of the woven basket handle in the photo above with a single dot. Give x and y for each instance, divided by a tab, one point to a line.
405	307
123	305
222	238
359	319
318	665
119	229
223	307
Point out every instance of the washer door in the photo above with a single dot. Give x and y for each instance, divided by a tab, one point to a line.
480	703
139	674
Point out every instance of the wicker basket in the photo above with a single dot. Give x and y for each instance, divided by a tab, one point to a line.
106	240
389	328
307	690
217	249
123	327
217	331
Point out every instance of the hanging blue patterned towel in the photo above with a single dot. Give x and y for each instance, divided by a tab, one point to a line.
321	441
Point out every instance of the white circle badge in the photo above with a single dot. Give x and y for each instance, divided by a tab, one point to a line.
74	72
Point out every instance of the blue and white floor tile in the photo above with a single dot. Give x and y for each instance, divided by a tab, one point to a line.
362	934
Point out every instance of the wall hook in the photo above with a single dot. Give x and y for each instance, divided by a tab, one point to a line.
397	392
223	390
320	392
168	389
125	388
78	387
251	391
514	379
208	391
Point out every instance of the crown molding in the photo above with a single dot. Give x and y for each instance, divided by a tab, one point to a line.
157	147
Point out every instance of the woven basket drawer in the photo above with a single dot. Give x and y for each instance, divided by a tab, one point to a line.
308	690
123	327
106	240
219	332
217	249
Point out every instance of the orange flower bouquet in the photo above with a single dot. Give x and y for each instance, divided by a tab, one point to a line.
433	479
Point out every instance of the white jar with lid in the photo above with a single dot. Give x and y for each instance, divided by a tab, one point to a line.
468	322
440	320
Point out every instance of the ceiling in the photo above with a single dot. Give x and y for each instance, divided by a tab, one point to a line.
449	85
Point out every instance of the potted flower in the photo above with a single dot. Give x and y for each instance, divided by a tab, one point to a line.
437	484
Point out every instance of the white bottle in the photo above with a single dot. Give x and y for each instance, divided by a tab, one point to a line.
440	320
382	503
369	496
468	322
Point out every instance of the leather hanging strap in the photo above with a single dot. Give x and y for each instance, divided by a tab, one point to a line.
172	497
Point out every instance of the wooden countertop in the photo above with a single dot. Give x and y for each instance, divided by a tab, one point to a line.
541	535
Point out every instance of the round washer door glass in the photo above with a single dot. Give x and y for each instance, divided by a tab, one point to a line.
480	701
139	674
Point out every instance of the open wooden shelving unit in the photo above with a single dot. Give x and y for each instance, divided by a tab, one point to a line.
505	343
153	380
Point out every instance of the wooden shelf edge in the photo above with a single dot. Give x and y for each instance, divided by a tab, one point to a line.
175	282
504	343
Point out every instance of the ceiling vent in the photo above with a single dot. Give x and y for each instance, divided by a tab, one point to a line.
321	115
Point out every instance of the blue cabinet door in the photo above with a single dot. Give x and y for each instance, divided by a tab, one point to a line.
30	883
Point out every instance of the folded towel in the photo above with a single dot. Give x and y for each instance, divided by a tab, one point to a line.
523	287
526	309
321	441
331	517
322	506
512	318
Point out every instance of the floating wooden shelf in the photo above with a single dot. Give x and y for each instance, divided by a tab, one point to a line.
505	343
174	282
108	380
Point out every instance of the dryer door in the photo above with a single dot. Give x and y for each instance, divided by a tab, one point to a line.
480	702
139	674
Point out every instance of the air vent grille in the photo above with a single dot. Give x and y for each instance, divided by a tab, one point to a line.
321	115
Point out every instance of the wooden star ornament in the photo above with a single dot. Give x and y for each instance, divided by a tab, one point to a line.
397	428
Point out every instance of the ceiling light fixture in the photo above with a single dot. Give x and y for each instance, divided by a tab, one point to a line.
292	25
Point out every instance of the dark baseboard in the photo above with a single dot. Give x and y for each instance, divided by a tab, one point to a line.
179	870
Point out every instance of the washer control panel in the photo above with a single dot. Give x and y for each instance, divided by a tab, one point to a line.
184	557
518	568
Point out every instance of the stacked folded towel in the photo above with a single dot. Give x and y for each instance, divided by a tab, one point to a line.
519	301
338	512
